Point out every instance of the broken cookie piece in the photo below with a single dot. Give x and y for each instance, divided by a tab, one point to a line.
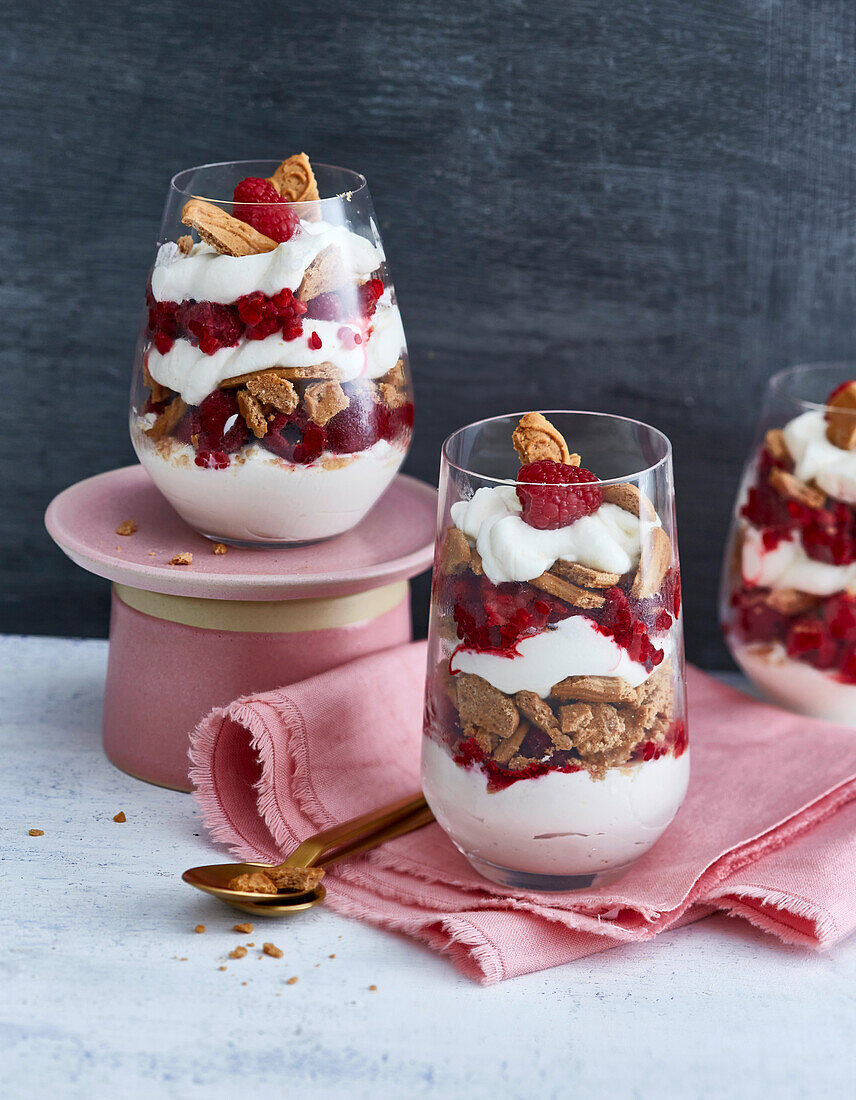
252	411
323	401
295	878
256	882
841	417
481	704
535	438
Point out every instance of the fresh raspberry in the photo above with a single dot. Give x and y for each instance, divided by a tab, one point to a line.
275	218
263	316
327	307
346	306
210	325
809	640
189	426
221	427
369	294
311	445
397	423
554	495
212	460
356	428
839	615
163	342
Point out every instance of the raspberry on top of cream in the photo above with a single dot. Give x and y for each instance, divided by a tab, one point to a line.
512	550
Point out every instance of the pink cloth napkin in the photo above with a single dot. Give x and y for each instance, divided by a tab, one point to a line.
768	830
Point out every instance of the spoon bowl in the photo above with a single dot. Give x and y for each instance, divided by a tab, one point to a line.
338	842
214	879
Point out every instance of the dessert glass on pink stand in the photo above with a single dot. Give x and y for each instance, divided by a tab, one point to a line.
555	742
788	595
271	401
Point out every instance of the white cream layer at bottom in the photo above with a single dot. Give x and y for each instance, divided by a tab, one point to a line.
797	685
264	498
560	823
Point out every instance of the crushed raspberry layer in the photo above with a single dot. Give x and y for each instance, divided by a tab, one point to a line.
468	753
824	638
495	618
211	326
553	495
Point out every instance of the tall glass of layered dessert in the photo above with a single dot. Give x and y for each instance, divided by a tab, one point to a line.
788	598
271	401
555	742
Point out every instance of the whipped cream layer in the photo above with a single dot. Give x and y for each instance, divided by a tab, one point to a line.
816	459
260	497
789	566
207	276
609	539
574	647
796	685
560	823
190	372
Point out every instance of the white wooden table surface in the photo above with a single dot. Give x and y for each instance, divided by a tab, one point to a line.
106	991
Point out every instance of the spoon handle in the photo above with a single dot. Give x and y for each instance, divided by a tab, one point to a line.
357	829
402	826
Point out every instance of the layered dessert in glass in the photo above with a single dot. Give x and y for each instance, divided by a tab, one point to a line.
555	747
789	583
271	401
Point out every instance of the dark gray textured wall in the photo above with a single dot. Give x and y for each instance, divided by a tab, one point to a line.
636	207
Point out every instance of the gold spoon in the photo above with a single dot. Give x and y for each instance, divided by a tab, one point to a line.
330	845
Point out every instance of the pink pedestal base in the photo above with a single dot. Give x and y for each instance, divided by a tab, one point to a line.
184	639
163	677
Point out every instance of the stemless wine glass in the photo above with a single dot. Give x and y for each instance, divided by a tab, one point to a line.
555	743
788	592
271	399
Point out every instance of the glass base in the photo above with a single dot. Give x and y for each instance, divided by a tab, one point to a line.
551	884
247	544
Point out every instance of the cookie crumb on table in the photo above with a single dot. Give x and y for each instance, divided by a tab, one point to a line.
37	832
220	548
222	968
127	527
182	559
372	989
291	981
120	817
199	928
238	953
245	928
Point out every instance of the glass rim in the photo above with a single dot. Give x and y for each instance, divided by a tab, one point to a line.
667	456
777	382
360	182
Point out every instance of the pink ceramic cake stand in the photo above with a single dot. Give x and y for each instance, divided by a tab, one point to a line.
186	638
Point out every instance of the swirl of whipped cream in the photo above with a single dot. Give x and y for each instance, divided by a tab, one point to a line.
207	276
815	458
574	647
608	539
